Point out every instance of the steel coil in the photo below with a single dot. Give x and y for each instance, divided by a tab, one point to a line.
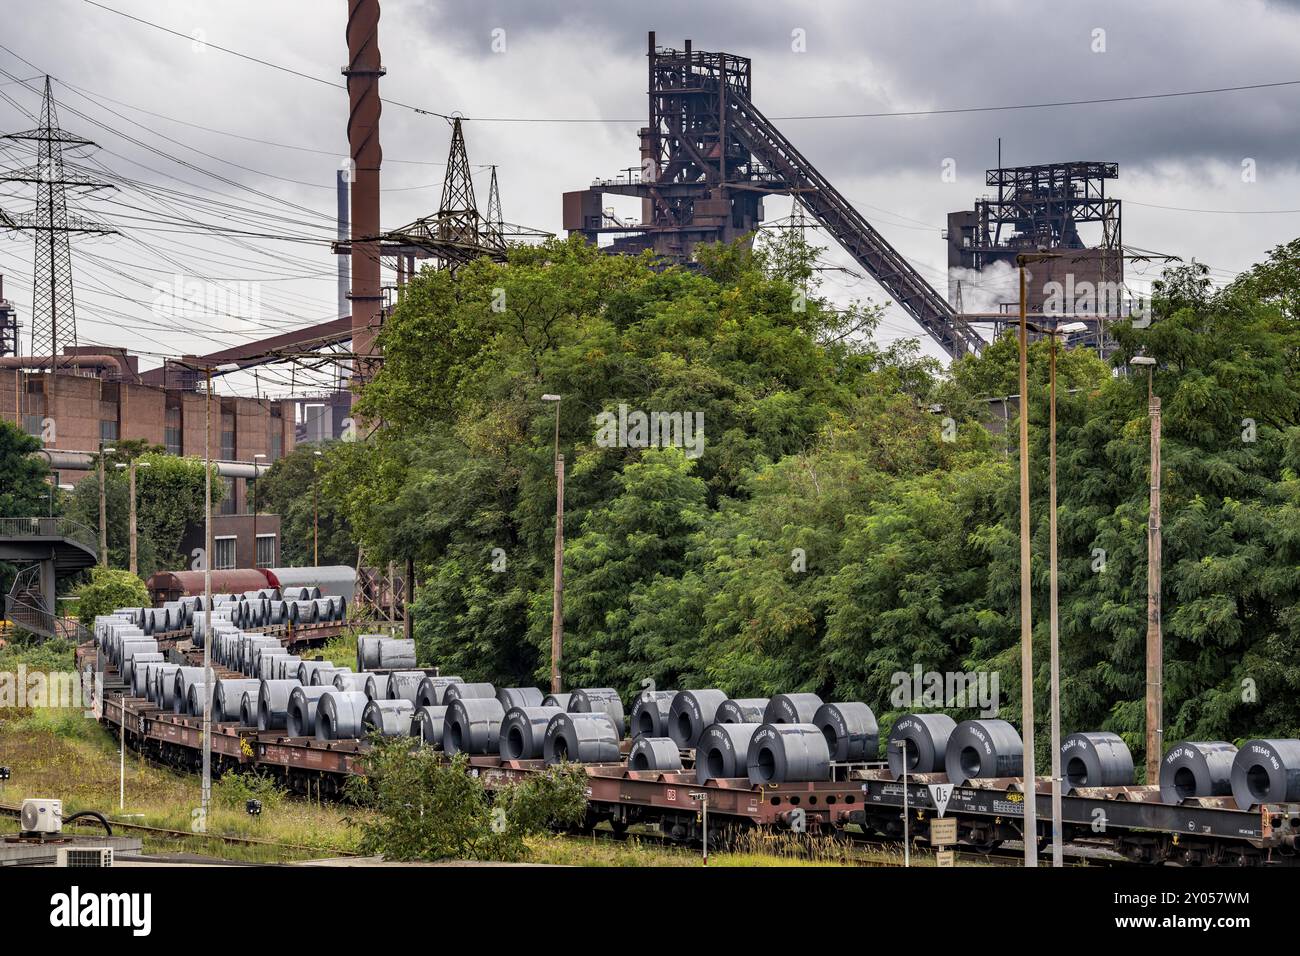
339	714
228	697
433	691
428	724
557	700
523	732
136	669
850	731
273	704
248	710
184	677
690	713
404	685
396	654
269	666
650	713
462	691
388	718
1266	771
788	753
473	725
1095	759
324	676
346	680
979	749
368	651
722	751
1196	769
742	710
376	686
926	736
791	709
659	754
196	698
164	692
307	668
287	667
519	697
581	737
599	700
300	718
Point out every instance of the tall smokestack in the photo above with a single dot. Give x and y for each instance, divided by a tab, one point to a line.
363	72
344	234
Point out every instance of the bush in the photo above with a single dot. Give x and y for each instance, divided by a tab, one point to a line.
234	790
430	809
107	591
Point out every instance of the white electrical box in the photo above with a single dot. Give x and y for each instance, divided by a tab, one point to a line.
83	856
41	816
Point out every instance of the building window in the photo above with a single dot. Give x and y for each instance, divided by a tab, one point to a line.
172	430
266	550
107	430
32	425
228	503
277	441
224	558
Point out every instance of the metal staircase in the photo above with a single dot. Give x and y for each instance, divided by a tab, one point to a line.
58	548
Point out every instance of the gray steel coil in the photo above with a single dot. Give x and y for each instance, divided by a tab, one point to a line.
722	751
658	754
791	709
1196	769
850	730
523	732
1095	759
473	725
650	713
979	749
691	712
581	737
788	753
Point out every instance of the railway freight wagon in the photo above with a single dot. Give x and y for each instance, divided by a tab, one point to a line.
329	581
792	761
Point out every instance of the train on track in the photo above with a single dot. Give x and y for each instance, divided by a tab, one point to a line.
791	762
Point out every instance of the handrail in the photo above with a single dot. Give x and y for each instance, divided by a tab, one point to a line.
49	527
24	606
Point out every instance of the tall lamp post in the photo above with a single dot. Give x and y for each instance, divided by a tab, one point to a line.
1155	637
206	791
103	510
256	474
557	596
131	472
315	509
1054	608
1026	583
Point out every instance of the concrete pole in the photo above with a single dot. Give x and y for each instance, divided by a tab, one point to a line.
1026	616
1057	836
103	514
1155	637
134	566
557	603
206	793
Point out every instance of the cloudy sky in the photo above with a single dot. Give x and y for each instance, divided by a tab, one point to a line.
555	91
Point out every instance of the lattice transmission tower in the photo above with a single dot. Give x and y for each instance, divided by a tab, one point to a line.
54	317
458	218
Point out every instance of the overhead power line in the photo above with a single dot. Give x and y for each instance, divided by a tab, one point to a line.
942	111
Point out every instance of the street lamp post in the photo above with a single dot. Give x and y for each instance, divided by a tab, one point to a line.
315	509
1155	638
205	794
131	473
103	510
256	458
1054	609
557	597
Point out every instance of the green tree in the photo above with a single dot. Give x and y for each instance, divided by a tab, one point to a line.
23	488
106	591
297	487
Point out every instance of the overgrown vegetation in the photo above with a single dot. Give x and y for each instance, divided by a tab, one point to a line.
106	591
835	530
428	808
